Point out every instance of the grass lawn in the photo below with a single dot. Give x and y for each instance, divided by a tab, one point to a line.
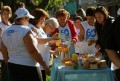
48	78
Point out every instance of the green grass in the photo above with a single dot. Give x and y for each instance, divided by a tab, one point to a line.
48	78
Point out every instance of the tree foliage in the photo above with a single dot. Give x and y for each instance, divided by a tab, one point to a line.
30	4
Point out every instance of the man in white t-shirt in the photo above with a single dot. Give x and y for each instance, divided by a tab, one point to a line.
90	34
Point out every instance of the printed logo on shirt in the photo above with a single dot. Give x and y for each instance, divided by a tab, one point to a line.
65	32
10	32
42	33
90	33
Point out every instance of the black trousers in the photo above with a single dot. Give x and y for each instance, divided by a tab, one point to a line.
4	71
43	75
23	73
117	74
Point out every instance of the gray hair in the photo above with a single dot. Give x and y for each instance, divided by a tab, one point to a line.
52	22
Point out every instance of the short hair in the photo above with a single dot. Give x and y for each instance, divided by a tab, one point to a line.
102	10
62	12
38	13
90	11
52	22
78	17
6	8
81	12
20	5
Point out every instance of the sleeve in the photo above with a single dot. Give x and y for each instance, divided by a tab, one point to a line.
73	30
55	31
113	39
26	30
97	30
83	24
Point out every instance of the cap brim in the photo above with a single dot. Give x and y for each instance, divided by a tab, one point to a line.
30	16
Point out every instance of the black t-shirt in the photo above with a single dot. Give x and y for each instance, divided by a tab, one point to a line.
103	32
113	41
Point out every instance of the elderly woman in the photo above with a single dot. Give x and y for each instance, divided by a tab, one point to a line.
20	52
41	34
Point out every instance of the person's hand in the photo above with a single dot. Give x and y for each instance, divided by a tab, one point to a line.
34	30
73	40
47	70
55	36
52	43
98	54
90	42
6	59
97	46
54	52
81	37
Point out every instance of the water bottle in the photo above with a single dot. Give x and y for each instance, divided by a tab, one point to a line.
71	49
75	65
80	62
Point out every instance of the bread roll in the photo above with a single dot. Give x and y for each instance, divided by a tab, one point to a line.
86	64
66	59
102	64
68	63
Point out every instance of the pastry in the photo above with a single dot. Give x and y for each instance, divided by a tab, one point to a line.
102	64
68	63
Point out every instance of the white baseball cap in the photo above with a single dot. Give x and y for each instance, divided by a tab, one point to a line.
22	12
118	12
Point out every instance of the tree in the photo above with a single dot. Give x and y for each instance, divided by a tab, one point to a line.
44	4
31	4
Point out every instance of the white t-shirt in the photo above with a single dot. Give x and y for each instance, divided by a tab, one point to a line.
78	43
3	27
113	67
30	25
17	51
82	47
89	31
44	48
78	31
66	31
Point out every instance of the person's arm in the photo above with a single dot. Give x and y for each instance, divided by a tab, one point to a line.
82	33
32	49
0	37
4	52
45	40
73	31
113	55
